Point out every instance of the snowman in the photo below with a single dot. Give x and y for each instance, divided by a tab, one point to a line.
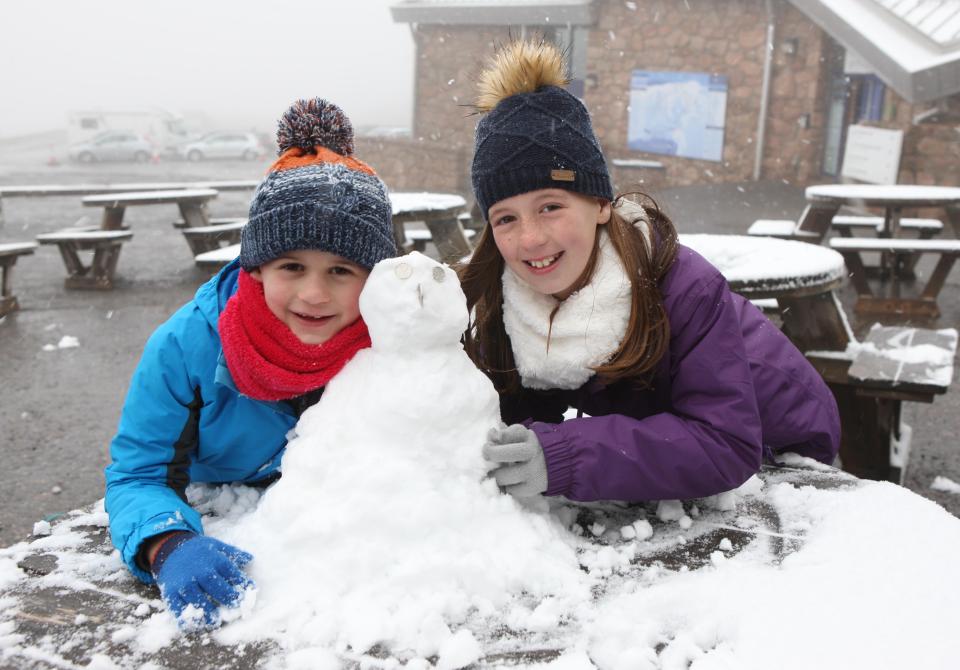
385	528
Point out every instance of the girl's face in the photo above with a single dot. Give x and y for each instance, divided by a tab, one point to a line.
546	236
315	293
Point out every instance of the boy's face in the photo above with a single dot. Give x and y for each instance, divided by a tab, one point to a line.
546	236
315	293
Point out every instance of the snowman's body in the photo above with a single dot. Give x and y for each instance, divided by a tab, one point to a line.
384	514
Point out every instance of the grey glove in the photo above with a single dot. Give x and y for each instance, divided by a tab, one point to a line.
521	468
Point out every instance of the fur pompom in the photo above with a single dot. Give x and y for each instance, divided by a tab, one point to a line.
309	123
520	67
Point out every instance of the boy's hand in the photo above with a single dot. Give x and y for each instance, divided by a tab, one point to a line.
521	468
196	575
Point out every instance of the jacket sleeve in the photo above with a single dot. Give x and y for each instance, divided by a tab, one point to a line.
709	442
152	450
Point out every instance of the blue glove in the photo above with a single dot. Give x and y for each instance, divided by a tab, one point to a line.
203	572
522	468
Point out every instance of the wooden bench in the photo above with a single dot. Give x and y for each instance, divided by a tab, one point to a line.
812	225
417	238
9	253
899	253
871	380
925	228
845	225
207	238
217	258
105	245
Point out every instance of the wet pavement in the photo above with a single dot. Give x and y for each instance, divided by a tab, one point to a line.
59	408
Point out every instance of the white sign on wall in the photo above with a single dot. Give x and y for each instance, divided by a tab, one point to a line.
872	154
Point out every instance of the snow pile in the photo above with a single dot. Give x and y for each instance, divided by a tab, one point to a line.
872	587
384	514
945	484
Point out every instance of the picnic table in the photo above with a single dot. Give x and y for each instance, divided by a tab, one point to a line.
67	600
9	253
106	241
437	211
192	204
54	190
870	379
898	255
893	198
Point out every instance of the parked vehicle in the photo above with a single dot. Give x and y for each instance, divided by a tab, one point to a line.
163	128
222	145
113	146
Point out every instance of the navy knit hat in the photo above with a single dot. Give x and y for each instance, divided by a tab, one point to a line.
535	134
317	195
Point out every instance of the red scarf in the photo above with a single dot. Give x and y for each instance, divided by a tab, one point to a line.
266	360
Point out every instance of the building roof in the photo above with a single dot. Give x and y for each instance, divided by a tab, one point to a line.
912	45
495	12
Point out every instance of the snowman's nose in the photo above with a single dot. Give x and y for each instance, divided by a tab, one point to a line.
420	294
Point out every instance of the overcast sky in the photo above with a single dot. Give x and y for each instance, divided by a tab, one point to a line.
239	62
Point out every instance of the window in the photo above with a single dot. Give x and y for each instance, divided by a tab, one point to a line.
870	99
88	123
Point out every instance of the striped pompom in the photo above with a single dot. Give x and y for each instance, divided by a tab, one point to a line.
309	123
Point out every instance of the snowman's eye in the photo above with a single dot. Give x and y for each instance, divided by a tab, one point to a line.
439	275
403	271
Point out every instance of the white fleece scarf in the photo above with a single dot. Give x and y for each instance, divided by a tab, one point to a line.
587	328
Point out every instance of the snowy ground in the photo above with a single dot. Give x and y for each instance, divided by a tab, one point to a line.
798	569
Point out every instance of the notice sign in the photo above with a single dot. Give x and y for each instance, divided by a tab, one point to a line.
872	154
677	114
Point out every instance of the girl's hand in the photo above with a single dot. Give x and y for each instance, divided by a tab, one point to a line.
521	467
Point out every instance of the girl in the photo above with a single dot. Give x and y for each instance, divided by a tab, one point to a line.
225	378
580	300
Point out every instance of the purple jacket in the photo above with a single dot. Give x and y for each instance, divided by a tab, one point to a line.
730	384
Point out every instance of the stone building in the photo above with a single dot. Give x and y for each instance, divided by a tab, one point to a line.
767	88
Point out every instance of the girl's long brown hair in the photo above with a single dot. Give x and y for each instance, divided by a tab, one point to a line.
648	329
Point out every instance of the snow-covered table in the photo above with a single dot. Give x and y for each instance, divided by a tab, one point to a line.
191	202
794	570
893	198
438	211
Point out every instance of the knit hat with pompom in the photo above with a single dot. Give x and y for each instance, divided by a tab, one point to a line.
316	195
534	134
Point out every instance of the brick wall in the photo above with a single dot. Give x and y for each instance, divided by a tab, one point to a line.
726	37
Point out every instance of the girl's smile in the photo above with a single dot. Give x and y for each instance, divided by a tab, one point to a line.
546	237
544	264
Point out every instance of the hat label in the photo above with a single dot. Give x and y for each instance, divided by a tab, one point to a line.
563	175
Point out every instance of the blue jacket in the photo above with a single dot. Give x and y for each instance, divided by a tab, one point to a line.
184	421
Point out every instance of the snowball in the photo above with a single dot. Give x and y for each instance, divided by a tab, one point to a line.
670	510
459	650
41	528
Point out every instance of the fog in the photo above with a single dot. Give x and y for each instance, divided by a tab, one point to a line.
230	65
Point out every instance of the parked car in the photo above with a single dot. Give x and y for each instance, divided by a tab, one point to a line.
223	145
114	145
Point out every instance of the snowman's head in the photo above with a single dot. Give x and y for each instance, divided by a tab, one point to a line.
413	303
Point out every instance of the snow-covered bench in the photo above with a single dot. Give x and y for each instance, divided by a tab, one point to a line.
105	245
903	253
871	380
9	253
845	225
788	229
217	258
218	234
417	238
